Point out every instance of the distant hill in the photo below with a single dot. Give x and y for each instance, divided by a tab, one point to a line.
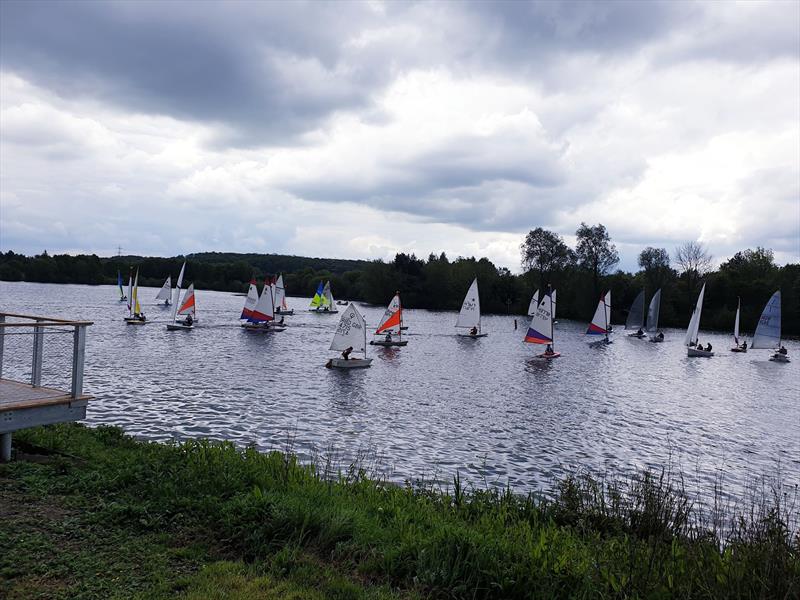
281	263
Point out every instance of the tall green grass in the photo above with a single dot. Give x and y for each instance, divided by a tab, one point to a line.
640	537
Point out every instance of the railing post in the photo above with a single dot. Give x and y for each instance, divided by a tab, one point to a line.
2	342
78	352
38	354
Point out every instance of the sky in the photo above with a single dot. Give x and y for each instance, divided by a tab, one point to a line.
362	129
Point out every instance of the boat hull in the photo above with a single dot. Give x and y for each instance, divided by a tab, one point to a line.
547	356
352	363
694	352
468	335
263	327
779	358
656	340
387	344
179	327
134	321
637	336
322	312
738	350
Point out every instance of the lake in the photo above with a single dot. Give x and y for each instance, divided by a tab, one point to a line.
442	404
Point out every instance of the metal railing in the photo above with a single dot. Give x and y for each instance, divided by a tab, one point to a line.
22	324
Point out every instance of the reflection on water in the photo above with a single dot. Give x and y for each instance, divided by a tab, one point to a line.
443	403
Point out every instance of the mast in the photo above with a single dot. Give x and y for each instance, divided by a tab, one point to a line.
400	302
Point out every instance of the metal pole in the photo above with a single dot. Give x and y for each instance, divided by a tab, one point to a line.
78	354
38	354
5	447
2	341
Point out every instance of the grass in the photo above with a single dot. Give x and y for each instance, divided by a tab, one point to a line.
105	516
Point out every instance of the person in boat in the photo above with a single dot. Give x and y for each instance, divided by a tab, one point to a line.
708	347
783	350
640	333
744	345
388	336
660	335
346	352
549	349
189	320
281	321
473	331
140	317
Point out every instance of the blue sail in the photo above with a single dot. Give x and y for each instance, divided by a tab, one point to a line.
768	330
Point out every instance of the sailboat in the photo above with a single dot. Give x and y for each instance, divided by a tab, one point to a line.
351	333
188	308
534	303
652	318
470	315
135	314
281	307
391	324
690	341
599	324
171	326
122	296
166	291
737	347
635	318
768	330
540	330
262	315
323	302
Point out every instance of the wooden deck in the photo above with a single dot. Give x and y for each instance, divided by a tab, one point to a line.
15	395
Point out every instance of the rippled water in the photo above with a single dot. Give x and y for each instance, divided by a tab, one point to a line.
484	407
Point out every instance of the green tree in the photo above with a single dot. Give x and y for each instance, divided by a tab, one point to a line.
546	253
595	251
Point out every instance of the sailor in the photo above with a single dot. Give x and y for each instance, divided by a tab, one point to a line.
640	333
388	336
744	345
782	350
189	320
549	349
473	331
346	352
708	347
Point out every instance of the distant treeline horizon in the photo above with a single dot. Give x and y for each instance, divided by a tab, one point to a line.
439	283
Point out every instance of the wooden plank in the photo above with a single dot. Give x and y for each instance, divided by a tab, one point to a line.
15	395
52	319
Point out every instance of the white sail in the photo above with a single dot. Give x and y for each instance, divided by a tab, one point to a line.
534	303
327	296
540	330
599	324
635	318
351	331
264	309
553	300
177	297
187	306
392	318
736	323
470	315
280	294
251	300
768	330
165	293
607	300
652	312
694	322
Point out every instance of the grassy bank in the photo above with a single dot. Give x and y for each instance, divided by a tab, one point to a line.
95	514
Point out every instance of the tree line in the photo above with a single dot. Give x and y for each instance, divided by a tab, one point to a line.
580	275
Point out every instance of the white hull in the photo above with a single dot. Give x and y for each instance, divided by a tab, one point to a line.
130	321
263	327
352	363
469	335
699	353
179	327
385	343
777	357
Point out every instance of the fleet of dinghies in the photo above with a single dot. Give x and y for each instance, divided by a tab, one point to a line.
261	309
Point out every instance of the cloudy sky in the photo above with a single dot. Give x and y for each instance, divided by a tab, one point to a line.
361	129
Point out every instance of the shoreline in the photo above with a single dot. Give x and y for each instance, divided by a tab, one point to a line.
198	519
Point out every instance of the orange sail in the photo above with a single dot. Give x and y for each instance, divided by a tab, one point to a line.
392	318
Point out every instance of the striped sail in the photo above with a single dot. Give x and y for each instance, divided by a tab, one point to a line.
316	301
540	330
392	318
599	324
264	310
250	301
188	306
768	330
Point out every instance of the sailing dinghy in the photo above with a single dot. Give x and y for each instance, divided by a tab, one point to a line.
635	318
188	308
690	341
599	324
135	314
391	324
470	316
737	347
540	330
656	336
262	316
350	336
323	302
281	308
171	326
122	296
768	330
166	291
